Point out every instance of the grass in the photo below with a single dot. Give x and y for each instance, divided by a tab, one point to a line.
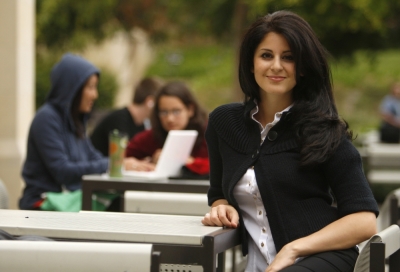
207	69
360	85
210	70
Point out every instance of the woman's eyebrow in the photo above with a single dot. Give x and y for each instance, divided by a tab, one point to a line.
269	50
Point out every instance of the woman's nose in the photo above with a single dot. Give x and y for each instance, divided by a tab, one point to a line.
276	64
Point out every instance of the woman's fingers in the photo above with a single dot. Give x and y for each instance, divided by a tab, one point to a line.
138	165
228	216
206	220
214	216
222	215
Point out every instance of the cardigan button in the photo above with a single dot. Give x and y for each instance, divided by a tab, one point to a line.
272	135
255	154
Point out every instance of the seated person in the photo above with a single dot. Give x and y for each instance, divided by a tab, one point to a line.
390	114
130	119
175	109
59	152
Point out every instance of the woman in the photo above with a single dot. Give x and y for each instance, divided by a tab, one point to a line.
277	159
59	152
175	109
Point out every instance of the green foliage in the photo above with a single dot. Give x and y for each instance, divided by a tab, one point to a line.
342	25
44	63
70	24
107	89
361	83
207	68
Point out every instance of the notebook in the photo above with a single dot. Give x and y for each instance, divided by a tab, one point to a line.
175	152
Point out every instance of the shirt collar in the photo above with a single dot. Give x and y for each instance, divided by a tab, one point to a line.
277	118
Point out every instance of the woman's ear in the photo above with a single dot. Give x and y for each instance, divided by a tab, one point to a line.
149	101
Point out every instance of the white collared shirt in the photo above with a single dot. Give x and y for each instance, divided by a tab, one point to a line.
261	243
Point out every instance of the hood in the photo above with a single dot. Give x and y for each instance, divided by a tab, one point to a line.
67	77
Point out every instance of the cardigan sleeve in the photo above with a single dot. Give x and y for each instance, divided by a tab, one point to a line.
346	178
142	145
215	191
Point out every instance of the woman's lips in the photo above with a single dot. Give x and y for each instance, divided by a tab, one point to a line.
276	78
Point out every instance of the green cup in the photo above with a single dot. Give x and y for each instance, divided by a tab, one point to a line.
117	144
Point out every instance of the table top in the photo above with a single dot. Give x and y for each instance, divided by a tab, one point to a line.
107	226
107	178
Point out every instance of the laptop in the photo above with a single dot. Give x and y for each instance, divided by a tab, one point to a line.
174	154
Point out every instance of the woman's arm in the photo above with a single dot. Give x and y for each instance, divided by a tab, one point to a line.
390	119
142	145
49	138
357	210
344	233
221	213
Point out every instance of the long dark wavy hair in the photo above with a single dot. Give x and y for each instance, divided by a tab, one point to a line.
316	120
77	116
197	122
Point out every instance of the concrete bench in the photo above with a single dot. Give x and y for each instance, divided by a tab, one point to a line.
165	203
382	163
384	176
63	256
381	155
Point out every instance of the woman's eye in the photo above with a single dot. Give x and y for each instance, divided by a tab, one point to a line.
289	57
266	55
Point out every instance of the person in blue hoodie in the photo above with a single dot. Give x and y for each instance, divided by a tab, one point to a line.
59	151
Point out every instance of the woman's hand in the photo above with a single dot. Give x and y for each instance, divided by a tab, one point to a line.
285	257
221	214
138	165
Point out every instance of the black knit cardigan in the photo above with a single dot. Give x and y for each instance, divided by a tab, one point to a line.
298	200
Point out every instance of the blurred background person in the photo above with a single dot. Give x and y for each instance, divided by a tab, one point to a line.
175	108
390	116
58	151
131	119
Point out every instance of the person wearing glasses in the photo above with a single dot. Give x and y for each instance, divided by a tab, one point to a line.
175	108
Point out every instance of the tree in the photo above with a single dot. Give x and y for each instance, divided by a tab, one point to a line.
342	25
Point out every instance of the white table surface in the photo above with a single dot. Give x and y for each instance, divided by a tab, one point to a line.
107	226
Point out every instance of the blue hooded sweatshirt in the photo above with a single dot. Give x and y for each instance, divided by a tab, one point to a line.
56	158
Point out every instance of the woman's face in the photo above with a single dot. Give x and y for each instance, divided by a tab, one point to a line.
89	94
173	114
274	67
